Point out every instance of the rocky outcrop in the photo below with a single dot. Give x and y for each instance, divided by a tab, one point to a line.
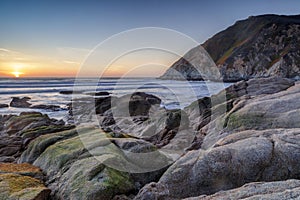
257	139
17	131
84	164
22	181
259	46
205	110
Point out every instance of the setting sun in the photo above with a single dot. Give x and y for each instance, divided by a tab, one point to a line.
17	74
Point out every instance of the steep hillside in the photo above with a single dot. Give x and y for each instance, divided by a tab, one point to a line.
260	46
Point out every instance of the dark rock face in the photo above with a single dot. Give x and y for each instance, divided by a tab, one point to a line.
260	46
3	106
20	102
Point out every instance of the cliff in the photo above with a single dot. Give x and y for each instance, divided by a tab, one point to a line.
260	46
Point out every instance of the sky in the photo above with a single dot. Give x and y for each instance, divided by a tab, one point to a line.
52	38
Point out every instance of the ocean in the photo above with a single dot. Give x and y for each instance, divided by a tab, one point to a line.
174	94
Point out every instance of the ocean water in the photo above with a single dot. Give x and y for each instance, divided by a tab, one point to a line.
174	94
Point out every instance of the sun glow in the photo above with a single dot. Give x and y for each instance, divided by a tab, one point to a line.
17	74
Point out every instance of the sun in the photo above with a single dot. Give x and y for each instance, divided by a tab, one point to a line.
17	74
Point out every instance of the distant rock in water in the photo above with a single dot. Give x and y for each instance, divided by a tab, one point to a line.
68	92
260	46
99	93
3	106
46	107
23	103
20	102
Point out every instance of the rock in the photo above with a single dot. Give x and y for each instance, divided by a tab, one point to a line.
10	147
278	110
3	106
257	139
99	93
7	159
68	92
17	131
260	46
280	190
30	124
24	169
81	167
153	191
82	110
14	187
205	111
20	102
138	103
46	107
257	156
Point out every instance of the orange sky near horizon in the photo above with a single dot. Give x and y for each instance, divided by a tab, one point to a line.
68	62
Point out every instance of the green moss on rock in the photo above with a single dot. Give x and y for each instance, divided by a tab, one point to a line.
246	121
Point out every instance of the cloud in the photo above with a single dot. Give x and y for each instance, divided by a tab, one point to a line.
5	50
71	62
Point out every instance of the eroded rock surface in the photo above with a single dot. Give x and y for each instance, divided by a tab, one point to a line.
256	140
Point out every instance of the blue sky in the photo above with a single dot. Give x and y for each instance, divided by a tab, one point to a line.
39	28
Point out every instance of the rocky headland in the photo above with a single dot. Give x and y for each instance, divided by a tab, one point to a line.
260	46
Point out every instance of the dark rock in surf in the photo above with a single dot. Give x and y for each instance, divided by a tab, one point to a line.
46	107
68	92
20	102
99	93
4	106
